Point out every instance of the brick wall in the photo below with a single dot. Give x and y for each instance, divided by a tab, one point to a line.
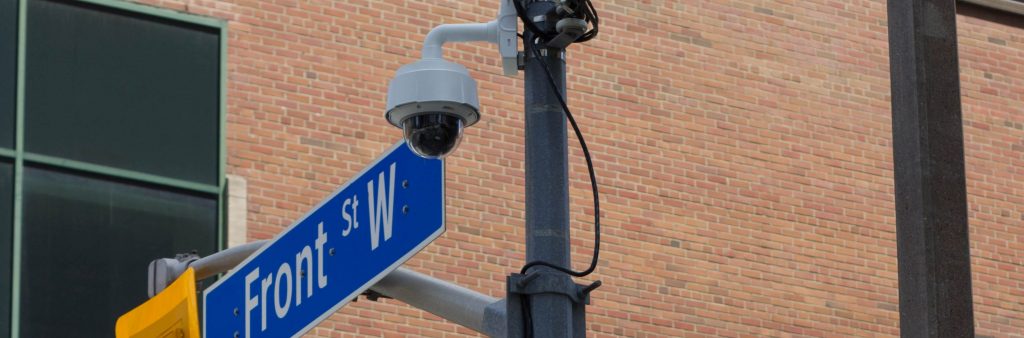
742	147
992	81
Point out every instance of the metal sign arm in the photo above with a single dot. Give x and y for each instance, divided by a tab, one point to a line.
163	271
224	260
444	299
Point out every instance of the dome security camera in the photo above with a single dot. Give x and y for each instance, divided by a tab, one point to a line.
432	100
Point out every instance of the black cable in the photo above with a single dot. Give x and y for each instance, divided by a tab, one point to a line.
524	301
593	19
593	180
587	12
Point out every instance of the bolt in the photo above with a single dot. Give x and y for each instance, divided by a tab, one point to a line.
405	184
405	209
237	335
235	312
330	252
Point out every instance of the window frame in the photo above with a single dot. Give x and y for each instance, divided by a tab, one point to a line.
1009	6
20	157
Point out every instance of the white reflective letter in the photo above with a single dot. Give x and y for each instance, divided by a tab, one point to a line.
382	215
282	310
263	300
355	211
250	302
346	216
321	239
307	255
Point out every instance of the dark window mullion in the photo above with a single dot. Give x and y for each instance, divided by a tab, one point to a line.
141	177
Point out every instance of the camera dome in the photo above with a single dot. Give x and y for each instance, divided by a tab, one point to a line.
432	100
433	135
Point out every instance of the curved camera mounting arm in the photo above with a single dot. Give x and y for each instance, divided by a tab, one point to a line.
501	31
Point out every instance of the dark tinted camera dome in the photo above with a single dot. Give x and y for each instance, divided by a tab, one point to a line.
433	135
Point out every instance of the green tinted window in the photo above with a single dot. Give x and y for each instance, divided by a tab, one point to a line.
8	70
87	243
6	220
123	90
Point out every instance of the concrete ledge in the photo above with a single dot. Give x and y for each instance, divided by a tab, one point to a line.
238	211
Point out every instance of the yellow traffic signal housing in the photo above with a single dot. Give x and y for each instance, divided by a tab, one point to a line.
170	314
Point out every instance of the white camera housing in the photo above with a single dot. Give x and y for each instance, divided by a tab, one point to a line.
433	100
430	86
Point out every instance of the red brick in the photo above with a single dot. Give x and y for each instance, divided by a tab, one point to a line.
743	151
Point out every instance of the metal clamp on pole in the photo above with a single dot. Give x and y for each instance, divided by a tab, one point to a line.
521	287
163	271
569	29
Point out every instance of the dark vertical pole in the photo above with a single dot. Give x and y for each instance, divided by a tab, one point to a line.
547	171
928	154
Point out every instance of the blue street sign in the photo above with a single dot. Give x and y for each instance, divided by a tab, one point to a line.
366	229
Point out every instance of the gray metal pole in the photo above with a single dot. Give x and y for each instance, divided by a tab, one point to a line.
932	244
547	184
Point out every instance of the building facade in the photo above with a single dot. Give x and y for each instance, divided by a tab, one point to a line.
742	147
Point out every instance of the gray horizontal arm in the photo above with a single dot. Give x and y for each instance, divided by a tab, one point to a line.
444	299
224	260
